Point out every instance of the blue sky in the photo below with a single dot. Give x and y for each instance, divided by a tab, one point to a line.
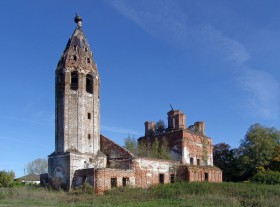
218	61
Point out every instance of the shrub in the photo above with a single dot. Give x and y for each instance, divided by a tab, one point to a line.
6	178
57	183
267	177
86	188
18	183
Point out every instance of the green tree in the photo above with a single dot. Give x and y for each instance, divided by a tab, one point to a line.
267	177
164	152
227	160
257	148
38	166
6	178
144	149
130	144
155	149
275	162
160	127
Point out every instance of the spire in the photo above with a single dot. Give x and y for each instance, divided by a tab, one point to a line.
77	53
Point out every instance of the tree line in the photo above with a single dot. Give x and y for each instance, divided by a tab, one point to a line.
257	158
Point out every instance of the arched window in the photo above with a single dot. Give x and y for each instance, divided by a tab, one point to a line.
74	80
89	83
74	57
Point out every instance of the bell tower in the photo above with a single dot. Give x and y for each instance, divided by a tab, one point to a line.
77	107
77	111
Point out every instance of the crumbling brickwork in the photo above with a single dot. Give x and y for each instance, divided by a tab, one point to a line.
189	145
150	171
112	178
77	98
77	111
198	148
117	156
82	155
204	173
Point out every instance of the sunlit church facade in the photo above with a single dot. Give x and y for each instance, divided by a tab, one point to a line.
82	154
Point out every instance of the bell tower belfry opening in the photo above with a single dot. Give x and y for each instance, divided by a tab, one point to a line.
77	109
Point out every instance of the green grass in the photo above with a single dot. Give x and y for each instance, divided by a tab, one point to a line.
178	194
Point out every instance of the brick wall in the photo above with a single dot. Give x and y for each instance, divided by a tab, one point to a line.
200	174
117	156
108	178
197	147
150	171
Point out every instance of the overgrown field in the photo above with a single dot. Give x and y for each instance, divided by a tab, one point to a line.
177	194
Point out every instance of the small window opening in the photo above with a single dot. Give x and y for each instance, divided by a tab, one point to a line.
89	84
113	182
74	57
206	176
88	60
88	136
125	181
89	115
75	47
198	161
74	80
86	49
172	178
161	178
191	161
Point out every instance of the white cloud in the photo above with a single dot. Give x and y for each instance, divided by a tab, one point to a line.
229	48
119	130
263	89
166	20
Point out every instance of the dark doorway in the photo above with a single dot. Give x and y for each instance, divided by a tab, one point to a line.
206	176
125	181
172	178
161	178
113	182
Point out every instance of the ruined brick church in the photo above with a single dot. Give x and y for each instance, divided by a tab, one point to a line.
82	154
